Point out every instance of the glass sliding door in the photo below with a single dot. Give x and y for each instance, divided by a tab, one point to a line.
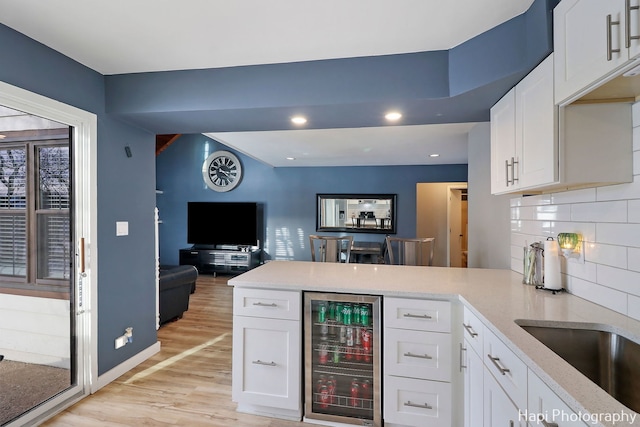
44	340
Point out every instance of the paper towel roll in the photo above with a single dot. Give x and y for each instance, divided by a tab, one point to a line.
552	276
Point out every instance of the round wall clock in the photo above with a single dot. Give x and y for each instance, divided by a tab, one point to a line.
222	171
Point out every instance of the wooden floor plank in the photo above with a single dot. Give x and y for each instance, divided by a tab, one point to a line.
194	390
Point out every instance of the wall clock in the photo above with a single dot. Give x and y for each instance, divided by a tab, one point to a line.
222	171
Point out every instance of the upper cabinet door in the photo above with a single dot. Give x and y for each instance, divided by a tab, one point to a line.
589	42
503	133
536	130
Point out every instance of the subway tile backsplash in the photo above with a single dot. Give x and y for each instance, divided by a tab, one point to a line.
609	220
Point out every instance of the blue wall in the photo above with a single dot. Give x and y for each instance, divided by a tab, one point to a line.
126	277
288	195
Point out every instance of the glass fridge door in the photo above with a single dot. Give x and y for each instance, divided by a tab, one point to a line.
342	352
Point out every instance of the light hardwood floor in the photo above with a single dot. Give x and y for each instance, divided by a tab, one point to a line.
188	383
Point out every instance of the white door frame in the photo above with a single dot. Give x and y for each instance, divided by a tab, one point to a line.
451	187
85	220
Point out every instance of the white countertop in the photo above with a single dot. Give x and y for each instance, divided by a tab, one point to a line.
497	296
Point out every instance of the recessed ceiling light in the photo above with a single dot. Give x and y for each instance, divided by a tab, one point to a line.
3	136
299	120
290	158
434	155
393	115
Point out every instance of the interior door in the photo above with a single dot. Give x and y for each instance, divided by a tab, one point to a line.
455	227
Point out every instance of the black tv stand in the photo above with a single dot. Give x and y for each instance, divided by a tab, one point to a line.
213	260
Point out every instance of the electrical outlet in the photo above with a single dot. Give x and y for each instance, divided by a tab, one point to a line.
121	341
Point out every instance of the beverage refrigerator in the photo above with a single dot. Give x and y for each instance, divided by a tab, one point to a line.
342	359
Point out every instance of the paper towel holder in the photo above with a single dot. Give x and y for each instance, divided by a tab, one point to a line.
571	246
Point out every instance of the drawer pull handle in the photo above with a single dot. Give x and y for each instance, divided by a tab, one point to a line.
462	365
260	362
418	316
470	330
417	405
263	304
419	356
495	361
545	423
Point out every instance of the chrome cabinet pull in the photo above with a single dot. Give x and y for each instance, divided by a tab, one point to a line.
462	365
610	49
514	162
627	29
262	304
418	405
260	362
418	316
418	356
469	329
506	173
495	361
545	423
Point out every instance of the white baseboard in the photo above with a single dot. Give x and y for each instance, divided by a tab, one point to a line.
125	367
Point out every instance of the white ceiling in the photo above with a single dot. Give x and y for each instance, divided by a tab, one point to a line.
124	36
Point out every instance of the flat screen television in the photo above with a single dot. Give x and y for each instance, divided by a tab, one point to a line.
223	223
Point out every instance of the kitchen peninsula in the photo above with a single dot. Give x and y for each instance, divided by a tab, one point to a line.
496	298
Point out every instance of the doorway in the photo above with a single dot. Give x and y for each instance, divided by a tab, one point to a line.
47	235
436	217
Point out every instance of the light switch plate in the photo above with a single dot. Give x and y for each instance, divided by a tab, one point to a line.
122	228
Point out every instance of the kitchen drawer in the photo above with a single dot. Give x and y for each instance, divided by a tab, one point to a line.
266	303
417	354
417	314
472	330
417	403
506	367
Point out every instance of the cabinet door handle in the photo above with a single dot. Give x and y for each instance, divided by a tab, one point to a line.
462	365
260	362
418	405
506	172
545	423
418	356
495	361
418	316
263	304
469	329
610	49
627	33
514	162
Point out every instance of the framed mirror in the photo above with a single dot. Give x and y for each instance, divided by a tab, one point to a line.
356	213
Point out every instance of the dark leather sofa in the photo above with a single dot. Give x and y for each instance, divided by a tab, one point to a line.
177	283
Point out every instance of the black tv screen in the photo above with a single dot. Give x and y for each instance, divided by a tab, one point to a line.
222	223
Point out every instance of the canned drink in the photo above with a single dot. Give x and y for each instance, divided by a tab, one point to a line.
356	314
323	358
347	314
322	312
348	354
332	385
339	312
324	331
343	334
332	310
359	353
325	398
336	354
355	393
357	333
365	389
350	338
365	315
320	383
366	344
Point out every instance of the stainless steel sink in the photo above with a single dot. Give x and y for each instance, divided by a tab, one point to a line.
610	360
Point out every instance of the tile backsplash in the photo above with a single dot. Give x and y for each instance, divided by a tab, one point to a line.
608	219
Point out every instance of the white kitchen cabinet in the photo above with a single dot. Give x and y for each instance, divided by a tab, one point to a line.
544	404
592	40
509	371
499	410
473	373
266	370
524	137
418	373
557	149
